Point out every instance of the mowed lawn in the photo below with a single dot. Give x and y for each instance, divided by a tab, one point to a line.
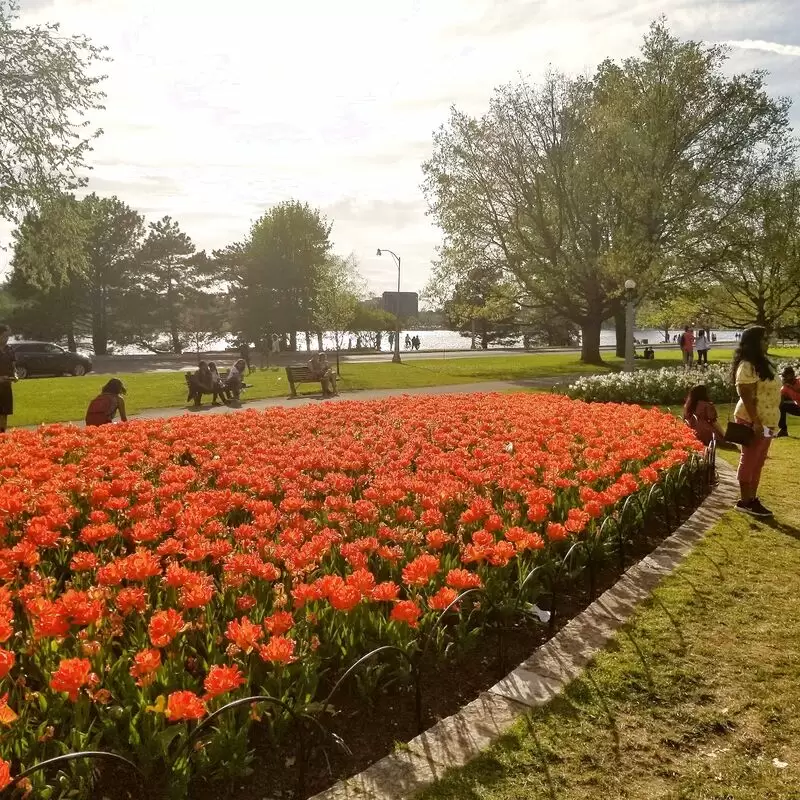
41	400
697	699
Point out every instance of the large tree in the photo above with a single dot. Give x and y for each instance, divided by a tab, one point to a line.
571	186
49	87
166	280
72	263
341	288
275	273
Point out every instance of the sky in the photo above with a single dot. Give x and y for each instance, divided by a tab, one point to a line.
217	110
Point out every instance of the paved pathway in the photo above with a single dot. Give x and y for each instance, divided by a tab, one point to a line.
366	394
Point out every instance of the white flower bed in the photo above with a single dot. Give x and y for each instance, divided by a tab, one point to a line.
663	387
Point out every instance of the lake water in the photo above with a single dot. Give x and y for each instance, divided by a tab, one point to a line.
440	340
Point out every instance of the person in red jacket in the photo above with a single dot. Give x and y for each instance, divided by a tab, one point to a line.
102	409
790	399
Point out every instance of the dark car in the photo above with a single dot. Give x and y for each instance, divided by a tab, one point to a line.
46	358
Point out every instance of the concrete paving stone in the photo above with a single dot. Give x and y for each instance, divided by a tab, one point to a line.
454	741
399	775
528	688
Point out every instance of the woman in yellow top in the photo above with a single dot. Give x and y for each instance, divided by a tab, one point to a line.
759	407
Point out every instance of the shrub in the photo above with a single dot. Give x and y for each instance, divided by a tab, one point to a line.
662	387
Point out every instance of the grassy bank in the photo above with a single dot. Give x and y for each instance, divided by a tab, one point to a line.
698	698
63	399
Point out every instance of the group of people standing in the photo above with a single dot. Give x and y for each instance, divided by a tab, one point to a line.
763	404
689	344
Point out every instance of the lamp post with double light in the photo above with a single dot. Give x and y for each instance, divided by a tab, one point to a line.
396	356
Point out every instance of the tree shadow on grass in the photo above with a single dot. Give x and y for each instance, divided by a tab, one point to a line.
783	527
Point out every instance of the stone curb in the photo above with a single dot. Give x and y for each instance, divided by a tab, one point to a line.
454	741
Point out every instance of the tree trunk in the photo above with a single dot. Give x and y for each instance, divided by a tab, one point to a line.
590	340
378	340
293	341
621	332
72	345
308	341
319	341
99	331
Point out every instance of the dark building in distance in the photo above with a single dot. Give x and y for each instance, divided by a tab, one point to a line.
409	303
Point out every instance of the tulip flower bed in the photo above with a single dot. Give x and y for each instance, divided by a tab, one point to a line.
157	572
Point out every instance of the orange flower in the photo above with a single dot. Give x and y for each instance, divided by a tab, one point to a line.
221	680
279	623
164	627
244	634
421	570
278	650
462	579
406	611
184	706
7	660
71	675
145	664
442	598
5	774
386	592
130	600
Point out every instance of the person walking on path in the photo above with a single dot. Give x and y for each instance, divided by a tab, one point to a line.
758	408
790	399
105	406
686	343
702	345
8	375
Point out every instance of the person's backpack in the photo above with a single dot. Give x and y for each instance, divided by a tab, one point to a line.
101	410
682	340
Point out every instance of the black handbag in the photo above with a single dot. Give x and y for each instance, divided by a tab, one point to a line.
738	433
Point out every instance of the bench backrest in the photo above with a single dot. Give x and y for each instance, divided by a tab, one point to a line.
299	372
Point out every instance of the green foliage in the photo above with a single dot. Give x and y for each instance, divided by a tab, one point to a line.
569	187
72	266
50	87
165	291
275	274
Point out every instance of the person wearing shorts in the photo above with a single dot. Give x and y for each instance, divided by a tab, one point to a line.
8	376
687	347
758	408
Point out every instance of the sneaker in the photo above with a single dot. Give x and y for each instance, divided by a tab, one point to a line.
758	509
746	507
781	433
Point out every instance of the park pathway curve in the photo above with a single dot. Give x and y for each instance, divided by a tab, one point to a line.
364	394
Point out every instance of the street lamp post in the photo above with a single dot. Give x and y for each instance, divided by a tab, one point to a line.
396	356
630	321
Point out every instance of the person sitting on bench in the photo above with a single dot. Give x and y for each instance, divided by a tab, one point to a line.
217	385
322	372
234	383
200	383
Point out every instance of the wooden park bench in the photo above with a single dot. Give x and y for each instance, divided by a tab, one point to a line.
299	373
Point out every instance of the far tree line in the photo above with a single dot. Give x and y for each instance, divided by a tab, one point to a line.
93	268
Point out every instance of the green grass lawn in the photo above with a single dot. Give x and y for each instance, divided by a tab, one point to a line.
64	399
714	714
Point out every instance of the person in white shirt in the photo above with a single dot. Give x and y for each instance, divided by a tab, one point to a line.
702	346
234	383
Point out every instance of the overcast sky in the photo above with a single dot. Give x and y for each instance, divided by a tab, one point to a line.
216	110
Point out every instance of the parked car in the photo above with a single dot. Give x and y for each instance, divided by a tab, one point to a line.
46	358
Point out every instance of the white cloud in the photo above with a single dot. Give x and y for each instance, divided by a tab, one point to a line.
768	47
215	111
